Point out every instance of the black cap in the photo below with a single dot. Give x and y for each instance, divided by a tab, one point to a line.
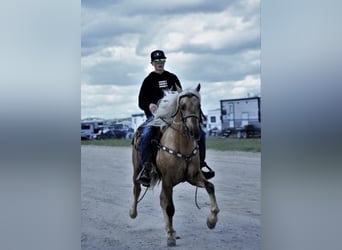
157	54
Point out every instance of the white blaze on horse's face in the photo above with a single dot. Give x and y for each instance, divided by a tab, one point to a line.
191	111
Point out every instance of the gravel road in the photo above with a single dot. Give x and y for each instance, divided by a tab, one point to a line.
107	195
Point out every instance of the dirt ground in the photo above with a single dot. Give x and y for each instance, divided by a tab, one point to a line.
107	195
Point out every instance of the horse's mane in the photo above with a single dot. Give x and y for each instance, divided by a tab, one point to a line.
189	92
168	105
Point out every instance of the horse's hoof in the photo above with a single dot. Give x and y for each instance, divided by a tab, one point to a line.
211	224
132	214
171	242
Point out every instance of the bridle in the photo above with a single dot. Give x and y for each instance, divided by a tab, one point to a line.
185	117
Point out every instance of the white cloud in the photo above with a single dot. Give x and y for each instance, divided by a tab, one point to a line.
215	44
108	101
214	92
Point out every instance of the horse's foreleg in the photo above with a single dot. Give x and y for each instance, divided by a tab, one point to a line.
166	203
199	181
214	210
136	193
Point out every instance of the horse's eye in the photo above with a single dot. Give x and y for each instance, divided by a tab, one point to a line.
183	106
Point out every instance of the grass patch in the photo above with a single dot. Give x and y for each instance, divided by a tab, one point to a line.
214	143
110	142
234	144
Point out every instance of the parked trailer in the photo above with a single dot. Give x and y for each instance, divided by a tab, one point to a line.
89	129
241	116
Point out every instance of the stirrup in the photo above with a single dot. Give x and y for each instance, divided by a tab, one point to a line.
208	175
143	177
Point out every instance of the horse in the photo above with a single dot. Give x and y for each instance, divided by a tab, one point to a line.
177	158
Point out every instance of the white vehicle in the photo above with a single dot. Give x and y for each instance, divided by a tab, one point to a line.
241	116
90	129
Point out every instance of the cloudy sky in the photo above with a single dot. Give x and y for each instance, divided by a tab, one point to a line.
215	43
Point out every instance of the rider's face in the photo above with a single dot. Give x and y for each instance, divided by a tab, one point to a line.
159	65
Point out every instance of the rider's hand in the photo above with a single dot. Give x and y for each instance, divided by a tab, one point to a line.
153	108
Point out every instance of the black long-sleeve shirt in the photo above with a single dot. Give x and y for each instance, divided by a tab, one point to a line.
151	90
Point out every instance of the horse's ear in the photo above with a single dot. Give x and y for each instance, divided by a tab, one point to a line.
198	87
179	89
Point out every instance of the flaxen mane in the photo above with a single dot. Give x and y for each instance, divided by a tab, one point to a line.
189	92
168	105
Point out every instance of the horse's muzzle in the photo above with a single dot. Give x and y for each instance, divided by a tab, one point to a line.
194	133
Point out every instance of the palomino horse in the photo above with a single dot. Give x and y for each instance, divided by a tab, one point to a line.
177	159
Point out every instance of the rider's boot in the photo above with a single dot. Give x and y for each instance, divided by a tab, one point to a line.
144	177
207	174
201	143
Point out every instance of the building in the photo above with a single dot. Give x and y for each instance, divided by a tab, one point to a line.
137	120
213	123
237	114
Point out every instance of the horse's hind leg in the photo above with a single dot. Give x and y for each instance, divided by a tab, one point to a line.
136	186
166	203
136	193
214	210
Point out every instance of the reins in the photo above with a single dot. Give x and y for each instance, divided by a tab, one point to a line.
143	195
196	203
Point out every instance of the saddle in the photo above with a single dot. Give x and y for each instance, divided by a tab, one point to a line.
156	135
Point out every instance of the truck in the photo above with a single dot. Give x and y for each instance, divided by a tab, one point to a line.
241	116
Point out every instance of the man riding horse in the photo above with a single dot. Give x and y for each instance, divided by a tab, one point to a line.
151	91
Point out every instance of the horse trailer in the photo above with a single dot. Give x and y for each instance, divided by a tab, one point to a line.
241	116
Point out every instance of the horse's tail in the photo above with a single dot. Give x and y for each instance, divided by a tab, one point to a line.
155	176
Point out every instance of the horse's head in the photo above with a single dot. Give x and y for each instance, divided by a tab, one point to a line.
189	108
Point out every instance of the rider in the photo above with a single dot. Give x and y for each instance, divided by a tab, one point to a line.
151	92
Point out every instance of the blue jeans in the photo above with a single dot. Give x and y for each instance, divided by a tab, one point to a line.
146	138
